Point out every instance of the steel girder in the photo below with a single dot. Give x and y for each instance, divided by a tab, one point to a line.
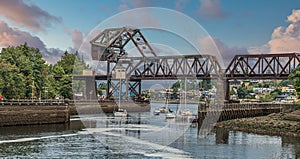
110	44
263	66
173	67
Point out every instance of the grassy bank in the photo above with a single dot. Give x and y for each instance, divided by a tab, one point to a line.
283	124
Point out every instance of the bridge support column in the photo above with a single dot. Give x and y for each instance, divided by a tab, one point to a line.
140	89
135	87
127	89
108	82
90	88
222	136
227	89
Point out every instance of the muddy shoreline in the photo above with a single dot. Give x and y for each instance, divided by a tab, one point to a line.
279	124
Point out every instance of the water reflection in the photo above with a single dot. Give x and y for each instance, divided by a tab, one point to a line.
111	137
293	143
222	136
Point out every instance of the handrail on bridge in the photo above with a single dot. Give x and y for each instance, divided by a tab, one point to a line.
245	106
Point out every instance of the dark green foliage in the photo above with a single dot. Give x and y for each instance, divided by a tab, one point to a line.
23	72
176	86
25	75
190	84
65	69
295	76
242	92
102	86
285	83
67	63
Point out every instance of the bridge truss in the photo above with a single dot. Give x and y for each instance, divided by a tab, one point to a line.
260	66
110	45
263	66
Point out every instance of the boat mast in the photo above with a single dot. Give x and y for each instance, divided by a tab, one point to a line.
120	88
185	93
168	94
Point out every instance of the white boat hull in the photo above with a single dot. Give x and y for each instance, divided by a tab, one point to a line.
163	110
120	113
170	116
156	112
187	113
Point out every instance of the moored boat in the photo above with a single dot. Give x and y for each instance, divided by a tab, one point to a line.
120	113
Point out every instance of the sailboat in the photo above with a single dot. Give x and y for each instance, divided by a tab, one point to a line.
156	112
170	114
185	112
164	109
120	112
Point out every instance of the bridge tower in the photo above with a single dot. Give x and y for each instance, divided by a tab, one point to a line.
109	46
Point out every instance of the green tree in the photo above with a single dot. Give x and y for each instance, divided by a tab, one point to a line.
65	69
65	88
242	92
207	84
176	86
67	62
12	84
232	92
102	86
295	77
28	66
290	81
24	73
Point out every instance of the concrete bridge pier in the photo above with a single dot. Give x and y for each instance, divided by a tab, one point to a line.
90	91
222	136
227	89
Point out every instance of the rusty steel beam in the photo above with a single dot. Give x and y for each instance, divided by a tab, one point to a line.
262	66
172	67
198	66
110	44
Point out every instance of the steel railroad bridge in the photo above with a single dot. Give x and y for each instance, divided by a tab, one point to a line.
110	44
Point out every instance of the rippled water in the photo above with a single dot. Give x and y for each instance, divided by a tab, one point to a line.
76	141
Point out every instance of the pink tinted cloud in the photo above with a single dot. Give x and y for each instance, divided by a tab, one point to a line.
77	38
128	4
81	41
294	17
29	16
207	46
283	39
138	3
211	9
13	37
123	7
180	4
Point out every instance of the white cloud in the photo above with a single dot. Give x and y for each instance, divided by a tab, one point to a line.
29	16
77	38
212	9
283	39
14	37
207	46
294	17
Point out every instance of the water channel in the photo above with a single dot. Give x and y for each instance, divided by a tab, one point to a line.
107	137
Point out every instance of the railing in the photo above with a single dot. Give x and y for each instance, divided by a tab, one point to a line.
232	106
106	101
24	102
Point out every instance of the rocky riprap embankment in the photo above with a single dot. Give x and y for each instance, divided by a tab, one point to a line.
285	124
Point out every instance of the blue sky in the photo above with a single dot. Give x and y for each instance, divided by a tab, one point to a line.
237	26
